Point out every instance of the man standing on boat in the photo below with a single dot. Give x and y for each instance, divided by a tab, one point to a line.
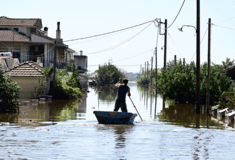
121	96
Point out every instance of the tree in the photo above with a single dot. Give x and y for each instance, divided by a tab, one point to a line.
179	83
73	80
109	74
9	93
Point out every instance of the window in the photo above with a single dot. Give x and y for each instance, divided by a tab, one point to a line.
16	29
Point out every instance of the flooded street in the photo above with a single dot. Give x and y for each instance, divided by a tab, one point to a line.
69	130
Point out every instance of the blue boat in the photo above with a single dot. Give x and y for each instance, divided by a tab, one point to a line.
105	117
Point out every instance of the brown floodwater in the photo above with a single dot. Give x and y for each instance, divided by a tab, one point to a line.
62	129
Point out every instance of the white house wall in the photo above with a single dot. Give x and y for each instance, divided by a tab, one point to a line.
38	39
82	62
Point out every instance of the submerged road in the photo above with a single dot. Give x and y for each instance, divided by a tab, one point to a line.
68	130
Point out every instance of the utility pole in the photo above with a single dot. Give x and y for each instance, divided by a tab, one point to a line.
151	71
156	68
99	76
147	72
165	43
175	60
198	59
155	109
209	67
54	69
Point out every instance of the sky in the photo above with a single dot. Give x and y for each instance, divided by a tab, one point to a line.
83	18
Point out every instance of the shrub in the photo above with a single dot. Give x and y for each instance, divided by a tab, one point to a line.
9	93
73	80
179	83
109	74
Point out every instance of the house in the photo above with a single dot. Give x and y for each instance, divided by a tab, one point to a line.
80	62
230	71
26	40
26	75
7	62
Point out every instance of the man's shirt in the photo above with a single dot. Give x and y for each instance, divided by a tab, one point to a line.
121	95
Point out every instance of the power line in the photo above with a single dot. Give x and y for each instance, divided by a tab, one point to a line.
170	50
226	20
132	56
200	43
98	38
121	65
224	27
175	44
108	32
119	43
177	14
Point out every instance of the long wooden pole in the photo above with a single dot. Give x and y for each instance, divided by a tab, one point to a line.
208	67
54	70
147	72
198	59
136	109
156	68
175	60
165	44
151	71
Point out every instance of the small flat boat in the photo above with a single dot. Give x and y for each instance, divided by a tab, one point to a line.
106	117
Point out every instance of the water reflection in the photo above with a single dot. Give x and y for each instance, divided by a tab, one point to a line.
151	107
185	115
33	113
106	94
121	133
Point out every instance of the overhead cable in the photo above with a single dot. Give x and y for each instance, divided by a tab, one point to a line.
110	48
177	14
130	57
223	27
108	32
200	43
133	56
96	38
174	44
225	20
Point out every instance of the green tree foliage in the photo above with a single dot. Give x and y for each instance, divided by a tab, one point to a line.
47	72
9	93
41	88
62	90
73	80
109	74
227	100
179	82
143	79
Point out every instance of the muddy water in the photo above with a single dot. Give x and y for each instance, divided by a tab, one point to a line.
69	130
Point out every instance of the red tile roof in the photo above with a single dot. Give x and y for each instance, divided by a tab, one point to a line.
8	35
26	69
5	21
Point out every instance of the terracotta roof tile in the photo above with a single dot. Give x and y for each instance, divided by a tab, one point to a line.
26	69
8	35
5	21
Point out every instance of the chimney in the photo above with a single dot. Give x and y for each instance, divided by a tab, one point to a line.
80	53
58	31
46	30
